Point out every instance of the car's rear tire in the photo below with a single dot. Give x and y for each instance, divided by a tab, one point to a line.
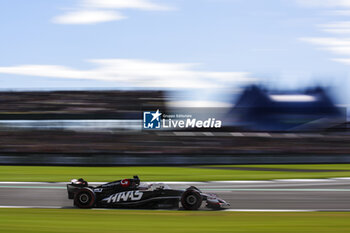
85	198
191	200
70	195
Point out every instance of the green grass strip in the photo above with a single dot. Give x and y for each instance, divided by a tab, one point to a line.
62	174
85	221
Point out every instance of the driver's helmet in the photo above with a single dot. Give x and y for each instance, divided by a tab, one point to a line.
130	183
83	182
79	181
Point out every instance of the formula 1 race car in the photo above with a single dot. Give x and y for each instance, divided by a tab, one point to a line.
129	193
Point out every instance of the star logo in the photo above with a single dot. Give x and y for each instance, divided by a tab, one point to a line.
156	115
152	120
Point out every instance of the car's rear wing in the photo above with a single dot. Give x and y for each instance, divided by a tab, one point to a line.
74	186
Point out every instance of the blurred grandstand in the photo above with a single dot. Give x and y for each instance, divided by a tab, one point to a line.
109	122
259	109
77	104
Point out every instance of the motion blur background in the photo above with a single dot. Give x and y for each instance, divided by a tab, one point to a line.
76	76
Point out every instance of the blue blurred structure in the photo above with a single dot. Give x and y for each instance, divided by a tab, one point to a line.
263	110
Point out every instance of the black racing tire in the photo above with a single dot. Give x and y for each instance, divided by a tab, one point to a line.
194	188
85	198
191	199
70	195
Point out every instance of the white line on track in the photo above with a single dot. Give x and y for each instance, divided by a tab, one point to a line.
226	210
273	190
267	210
10	182
30	207
341	178
303	180
267	185
178	182
239	182
229	210
13	182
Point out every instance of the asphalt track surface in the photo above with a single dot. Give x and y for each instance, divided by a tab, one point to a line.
277	195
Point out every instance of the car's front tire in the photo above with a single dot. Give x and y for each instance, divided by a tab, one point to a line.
191	200
85	198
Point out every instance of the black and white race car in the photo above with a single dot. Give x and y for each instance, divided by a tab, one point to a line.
130	193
